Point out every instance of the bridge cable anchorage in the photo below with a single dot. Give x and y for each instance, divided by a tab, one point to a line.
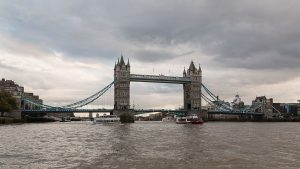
207	100
252	108
219	103
73	106
220	107
214	97
39	104
209	92
223	107
90	99
277	110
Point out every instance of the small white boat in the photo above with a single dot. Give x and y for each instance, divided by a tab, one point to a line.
192	119
106	119
168	119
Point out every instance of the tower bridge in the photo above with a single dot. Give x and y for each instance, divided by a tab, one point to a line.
191	80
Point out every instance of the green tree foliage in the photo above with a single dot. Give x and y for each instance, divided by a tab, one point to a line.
7	102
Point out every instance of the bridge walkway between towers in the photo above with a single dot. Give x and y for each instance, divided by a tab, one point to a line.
159	79
66	111
137	111
234	113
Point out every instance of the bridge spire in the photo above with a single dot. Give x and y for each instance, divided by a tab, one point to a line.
128	64
199	69
192	66
184	72
122	61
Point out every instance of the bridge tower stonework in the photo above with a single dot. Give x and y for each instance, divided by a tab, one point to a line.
192	91
122	78
122	85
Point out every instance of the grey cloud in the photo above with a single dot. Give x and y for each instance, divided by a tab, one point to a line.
60	26
246	32
153	55
8	67
260	37
234	33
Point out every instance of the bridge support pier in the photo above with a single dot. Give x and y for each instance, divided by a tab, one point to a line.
122	91
126	116
192	91
122	85
90	115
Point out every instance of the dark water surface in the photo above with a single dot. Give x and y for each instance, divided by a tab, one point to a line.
145	145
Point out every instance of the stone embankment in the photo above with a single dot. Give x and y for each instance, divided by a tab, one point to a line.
9	120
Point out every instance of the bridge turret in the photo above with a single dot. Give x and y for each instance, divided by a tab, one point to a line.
192	68
128	64
184	72
122	85
192	91
122	61
199	70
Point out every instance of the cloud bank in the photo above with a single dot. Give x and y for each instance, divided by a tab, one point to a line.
65	51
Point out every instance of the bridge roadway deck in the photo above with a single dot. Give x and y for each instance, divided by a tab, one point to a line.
138	111
67	111
235	113
159	79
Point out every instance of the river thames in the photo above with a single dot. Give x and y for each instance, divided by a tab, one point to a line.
150	145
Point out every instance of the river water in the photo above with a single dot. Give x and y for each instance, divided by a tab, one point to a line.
144	145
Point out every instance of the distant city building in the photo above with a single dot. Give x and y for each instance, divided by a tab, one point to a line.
289	109
298	108
18	92
237	103
264	105
33	98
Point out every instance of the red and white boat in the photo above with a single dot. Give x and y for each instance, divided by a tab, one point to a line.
192	119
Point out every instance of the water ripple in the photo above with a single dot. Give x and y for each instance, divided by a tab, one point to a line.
150	145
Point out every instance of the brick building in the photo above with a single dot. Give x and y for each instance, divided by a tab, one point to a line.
18	92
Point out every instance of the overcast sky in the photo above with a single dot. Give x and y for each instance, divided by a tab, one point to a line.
65	50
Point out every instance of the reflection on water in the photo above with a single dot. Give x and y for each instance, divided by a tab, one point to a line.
150	145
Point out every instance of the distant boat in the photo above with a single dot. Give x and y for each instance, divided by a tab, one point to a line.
192	119
168	119
65	119
106	119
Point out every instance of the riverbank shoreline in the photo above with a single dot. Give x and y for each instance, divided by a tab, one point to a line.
10	120
256	120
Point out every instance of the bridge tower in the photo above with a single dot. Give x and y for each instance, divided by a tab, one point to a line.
122	85
192	91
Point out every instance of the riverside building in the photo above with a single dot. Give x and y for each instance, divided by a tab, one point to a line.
18	92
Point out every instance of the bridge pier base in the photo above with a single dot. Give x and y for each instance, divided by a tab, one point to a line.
199	113
126	116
